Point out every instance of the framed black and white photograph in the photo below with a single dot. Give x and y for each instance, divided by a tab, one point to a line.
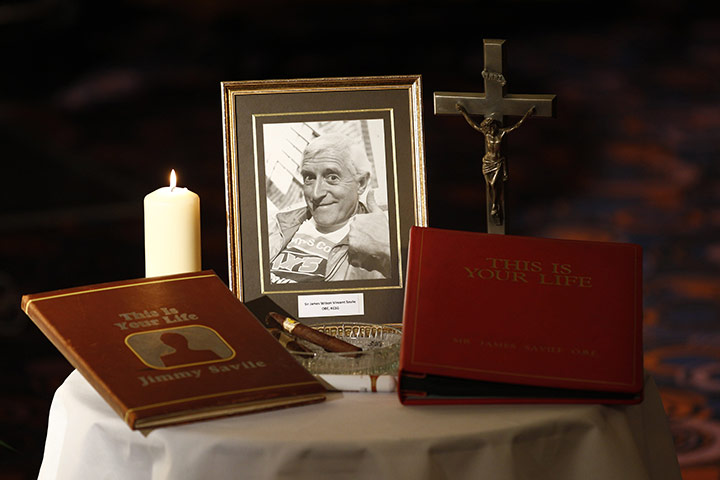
324	178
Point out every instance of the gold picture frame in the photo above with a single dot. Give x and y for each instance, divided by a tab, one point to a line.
267	125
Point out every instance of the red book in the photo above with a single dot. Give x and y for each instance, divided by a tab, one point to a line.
509	319
172	349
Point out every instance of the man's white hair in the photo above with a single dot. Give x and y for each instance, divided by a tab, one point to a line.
339	147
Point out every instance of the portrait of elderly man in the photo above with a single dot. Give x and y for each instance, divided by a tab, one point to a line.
335	236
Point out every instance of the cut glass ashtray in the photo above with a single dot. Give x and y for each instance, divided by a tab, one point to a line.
379	356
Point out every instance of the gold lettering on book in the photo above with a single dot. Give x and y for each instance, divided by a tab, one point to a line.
528	271
139	315
555	349
525	347
484	343
235	367
585	352
497	344
543	349
491	274
515	265
566	280
152	318
153	322
180	317
146	380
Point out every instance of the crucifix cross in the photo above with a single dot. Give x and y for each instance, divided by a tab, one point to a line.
494	104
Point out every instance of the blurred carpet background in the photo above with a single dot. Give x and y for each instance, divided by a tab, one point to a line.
99	101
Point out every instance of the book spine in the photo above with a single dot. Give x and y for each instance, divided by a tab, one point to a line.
411	293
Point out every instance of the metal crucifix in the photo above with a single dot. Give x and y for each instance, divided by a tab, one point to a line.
494	104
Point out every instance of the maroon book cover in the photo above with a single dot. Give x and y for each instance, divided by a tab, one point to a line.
171	349
499	318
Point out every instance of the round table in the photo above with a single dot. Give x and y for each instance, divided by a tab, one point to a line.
364	435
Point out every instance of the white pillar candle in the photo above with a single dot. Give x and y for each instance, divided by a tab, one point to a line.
172	231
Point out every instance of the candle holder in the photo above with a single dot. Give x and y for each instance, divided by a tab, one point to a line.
379	356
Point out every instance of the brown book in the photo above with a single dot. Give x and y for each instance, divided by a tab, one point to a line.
171	349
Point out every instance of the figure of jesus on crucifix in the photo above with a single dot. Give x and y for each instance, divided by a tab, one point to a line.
493	162
494	104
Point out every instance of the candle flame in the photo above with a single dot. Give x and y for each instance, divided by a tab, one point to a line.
173	180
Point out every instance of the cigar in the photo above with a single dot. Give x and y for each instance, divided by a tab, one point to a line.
328	342
288	342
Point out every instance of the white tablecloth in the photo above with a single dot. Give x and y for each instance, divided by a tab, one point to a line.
365	435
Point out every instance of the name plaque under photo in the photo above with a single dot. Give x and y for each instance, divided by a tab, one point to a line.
335	305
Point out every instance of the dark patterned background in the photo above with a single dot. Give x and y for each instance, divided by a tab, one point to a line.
99	100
